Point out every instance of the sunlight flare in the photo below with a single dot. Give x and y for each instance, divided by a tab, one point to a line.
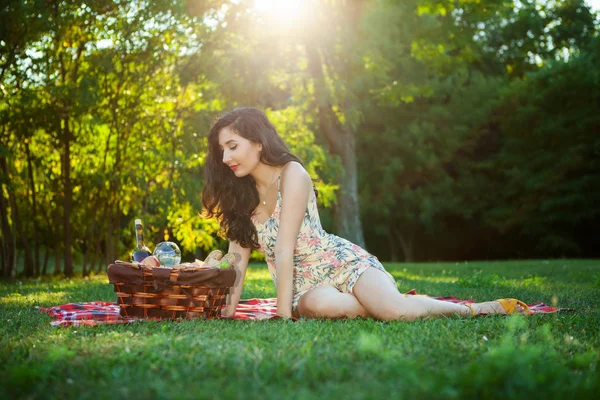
281	10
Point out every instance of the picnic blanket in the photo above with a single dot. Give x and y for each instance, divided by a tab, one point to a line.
98	312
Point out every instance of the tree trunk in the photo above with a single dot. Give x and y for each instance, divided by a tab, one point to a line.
67	200
94	264
7	249
34	214
49	218
117	234
84	271
342	142
108	243
347	210
12	200
46	258
27	253
57	248
407	247
66	137
57	259
97	253
393	249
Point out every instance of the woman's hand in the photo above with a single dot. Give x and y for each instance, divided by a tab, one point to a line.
228	312
235	292
284	315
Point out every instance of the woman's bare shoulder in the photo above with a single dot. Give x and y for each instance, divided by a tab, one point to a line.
295	172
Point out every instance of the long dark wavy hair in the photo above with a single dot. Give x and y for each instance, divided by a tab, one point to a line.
230	199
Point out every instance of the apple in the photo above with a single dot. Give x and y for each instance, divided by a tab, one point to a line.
151	261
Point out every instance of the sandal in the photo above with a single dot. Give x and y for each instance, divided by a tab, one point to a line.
473	312
510	306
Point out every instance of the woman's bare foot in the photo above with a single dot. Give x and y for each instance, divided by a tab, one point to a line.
494	307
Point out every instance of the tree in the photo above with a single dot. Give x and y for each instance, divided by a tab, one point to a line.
21	24
549	159
437	105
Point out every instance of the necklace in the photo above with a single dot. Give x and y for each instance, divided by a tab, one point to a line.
264	202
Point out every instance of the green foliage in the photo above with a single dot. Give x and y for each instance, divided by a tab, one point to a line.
475	121
449	109
547	165
133	91
292	125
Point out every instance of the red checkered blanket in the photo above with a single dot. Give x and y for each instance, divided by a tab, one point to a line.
99	312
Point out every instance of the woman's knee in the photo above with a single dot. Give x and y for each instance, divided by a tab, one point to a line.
389	312
396	311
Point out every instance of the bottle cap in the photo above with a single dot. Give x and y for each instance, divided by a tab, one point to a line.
138	221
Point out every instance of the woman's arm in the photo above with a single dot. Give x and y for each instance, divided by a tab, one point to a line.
240	268
296	186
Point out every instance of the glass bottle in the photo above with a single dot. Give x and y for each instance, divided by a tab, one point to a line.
141	251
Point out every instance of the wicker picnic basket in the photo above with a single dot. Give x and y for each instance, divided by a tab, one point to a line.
195	290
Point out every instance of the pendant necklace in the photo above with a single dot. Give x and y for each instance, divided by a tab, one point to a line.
264	201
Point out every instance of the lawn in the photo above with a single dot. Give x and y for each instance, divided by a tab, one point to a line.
541	356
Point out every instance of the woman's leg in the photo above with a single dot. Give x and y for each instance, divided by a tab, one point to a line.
380	298
328	302
376	296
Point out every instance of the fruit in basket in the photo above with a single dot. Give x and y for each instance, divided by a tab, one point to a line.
151	261
168	254
230	260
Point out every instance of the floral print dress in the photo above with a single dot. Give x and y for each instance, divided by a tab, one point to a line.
320	258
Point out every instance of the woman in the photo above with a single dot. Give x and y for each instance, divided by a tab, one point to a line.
264	198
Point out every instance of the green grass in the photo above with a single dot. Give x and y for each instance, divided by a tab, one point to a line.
541	356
